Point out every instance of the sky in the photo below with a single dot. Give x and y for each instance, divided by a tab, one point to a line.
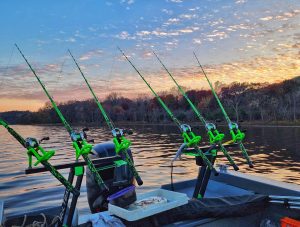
235	40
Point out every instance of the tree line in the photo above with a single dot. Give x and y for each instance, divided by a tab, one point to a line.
243	102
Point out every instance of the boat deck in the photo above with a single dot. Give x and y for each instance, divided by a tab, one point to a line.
214	189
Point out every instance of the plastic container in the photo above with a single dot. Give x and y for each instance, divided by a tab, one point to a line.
289	222
124	197
174	199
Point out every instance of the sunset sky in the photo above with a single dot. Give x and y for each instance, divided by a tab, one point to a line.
238	40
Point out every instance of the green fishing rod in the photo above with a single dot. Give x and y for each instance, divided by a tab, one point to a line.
42	156
121	143
214	136
79	142
236	134
190	139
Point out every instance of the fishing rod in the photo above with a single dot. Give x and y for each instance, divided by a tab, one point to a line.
214	136
42	156
79	142
121	143
190	139
236	134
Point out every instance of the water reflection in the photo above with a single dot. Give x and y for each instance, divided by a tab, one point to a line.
274	150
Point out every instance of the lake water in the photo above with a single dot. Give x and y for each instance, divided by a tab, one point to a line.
274	151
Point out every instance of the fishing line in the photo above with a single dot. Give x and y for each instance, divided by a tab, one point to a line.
60	76
112	64
108	82
61	68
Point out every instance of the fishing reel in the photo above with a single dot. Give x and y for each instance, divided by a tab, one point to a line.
81	136
210	126
34	149
213	133
233	125
236	134
121	143
186	128
190	139
80	143
33	142
117	132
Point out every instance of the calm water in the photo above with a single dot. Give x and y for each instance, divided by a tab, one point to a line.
274	150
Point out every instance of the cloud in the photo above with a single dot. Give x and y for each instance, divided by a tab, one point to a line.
70	40
124	35
194	9
197	41
188	16
158	32
92	29
240	1
173	20
167	11
128	2
186	30
90	54
147	54
143	33
21	84
216	34
176	1
266	18
217	22
287	15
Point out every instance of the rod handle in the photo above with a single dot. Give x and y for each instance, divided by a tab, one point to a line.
250	164
235	167
139	180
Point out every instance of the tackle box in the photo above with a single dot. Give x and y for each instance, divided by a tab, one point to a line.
174	199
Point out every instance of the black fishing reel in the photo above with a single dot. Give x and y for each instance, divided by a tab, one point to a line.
80	136
33	142
117	132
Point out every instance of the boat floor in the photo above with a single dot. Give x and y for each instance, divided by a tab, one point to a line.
214	189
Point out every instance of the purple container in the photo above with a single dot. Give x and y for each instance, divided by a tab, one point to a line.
124	197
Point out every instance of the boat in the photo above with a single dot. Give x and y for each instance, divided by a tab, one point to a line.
225	200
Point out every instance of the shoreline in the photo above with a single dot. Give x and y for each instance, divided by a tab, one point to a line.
194	124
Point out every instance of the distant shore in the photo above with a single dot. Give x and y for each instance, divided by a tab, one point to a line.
222	124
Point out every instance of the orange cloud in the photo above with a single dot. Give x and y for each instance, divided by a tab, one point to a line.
9	104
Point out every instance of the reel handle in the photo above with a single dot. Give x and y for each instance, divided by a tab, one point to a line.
44	138
128	131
